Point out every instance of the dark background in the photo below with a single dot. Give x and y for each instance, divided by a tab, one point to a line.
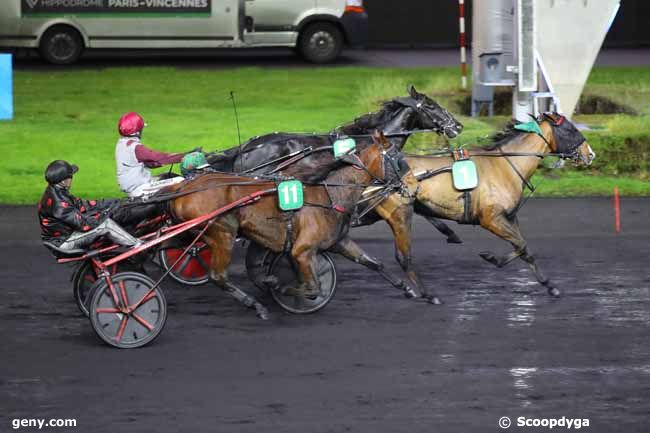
435	23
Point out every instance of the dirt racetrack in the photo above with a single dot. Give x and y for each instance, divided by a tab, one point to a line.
371	361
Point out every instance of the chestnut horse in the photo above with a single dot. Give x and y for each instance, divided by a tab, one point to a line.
504	170
321	224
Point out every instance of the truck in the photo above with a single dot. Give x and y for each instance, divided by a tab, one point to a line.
62	29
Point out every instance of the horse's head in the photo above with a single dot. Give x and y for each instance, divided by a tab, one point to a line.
430	115
567	140
372	158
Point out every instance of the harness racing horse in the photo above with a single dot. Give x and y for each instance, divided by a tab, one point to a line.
321	224
504	169
306	154
309	158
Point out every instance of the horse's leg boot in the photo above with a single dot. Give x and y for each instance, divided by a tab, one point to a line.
302	291
268	282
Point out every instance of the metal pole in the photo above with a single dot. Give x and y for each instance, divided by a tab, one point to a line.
463	50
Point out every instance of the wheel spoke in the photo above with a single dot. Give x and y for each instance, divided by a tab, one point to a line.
107	310
201	262
143	322
181	267
120	331
125	298
146	298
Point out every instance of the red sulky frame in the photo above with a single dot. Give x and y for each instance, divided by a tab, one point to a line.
151	240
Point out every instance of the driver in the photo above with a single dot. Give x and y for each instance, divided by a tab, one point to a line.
134	159
69	223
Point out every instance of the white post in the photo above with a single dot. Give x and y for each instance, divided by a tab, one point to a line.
522	95
463	50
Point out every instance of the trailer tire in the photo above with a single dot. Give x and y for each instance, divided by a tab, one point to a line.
320	42
61	45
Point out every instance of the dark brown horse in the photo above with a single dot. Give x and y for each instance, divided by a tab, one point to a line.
322	224
504	168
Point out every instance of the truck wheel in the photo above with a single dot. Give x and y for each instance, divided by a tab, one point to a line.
320	42
61	45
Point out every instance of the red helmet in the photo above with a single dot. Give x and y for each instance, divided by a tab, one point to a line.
130	124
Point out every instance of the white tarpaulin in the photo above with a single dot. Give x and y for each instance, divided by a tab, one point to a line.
569	36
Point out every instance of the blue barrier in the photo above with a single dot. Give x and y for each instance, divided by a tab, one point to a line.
6	88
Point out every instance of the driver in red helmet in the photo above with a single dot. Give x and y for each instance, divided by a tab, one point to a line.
134	159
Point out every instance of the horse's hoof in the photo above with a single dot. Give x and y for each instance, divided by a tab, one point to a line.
491	258
261	312
554	292
487	256
454	239
432	299
409	293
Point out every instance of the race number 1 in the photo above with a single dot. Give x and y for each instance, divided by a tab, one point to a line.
290	196
464	175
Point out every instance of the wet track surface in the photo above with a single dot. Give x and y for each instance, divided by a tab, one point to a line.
371	361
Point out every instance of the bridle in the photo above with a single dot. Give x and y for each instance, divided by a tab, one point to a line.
569	151
421	108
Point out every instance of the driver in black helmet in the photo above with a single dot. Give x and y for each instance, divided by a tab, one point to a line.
72	224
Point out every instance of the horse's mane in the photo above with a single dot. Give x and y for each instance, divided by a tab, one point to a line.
368	122
500	138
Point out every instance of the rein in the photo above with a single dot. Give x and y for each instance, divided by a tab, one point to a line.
449	152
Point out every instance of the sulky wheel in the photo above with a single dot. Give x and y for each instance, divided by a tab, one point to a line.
258	260
82	280
139	316
85	277
283	270
193	269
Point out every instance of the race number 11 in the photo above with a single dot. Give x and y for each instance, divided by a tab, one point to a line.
290	195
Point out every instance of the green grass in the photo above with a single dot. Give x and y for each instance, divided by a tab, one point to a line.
72	115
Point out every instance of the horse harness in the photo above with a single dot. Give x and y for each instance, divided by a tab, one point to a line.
392	181
569	150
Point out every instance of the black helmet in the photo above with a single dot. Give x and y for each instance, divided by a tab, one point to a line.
59	170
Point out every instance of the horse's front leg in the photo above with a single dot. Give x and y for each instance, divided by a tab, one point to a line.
352	251
399	219
221	243
530	259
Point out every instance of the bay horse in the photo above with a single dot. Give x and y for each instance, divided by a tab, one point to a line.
504	171
321	224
